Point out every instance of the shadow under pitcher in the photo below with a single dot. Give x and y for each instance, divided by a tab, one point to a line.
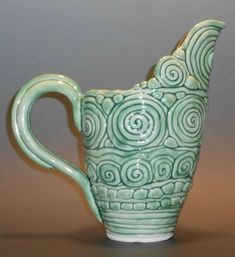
141	145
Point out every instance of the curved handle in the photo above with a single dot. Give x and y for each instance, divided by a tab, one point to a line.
22	106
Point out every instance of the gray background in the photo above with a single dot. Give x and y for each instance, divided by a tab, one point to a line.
105	44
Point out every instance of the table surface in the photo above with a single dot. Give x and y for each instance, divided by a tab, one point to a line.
206	227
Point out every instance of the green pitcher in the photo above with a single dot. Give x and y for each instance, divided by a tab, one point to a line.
141	145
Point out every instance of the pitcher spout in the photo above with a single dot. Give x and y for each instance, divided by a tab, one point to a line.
196	49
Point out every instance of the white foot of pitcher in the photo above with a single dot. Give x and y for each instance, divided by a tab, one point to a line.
139	238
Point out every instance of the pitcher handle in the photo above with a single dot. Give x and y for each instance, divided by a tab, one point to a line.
22	106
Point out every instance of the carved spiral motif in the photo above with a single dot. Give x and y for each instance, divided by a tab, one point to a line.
91	168
139	121
93	123
200	53
187	119
184	165
136	172
109	172
162	167
171	72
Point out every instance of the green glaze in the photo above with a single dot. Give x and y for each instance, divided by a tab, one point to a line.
142	145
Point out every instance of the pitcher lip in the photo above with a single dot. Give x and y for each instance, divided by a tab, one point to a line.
203	23
210	22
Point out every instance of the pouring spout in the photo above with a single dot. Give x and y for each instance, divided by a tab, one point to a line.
197	49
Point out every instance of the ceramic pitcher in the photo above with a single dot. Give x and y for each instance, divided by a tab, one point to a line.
141	145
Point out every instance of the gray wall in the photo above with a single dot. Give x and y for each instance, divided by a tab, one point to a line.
100	44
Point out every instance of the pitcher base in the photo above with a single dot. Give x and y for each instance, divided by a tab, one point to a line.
139	238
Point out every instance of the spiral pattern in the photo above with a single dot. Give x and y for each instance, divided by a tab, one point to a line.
91	170
139	121
171	72
184	165
200	52
109	172
187	120
162	167
136	172
93	123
